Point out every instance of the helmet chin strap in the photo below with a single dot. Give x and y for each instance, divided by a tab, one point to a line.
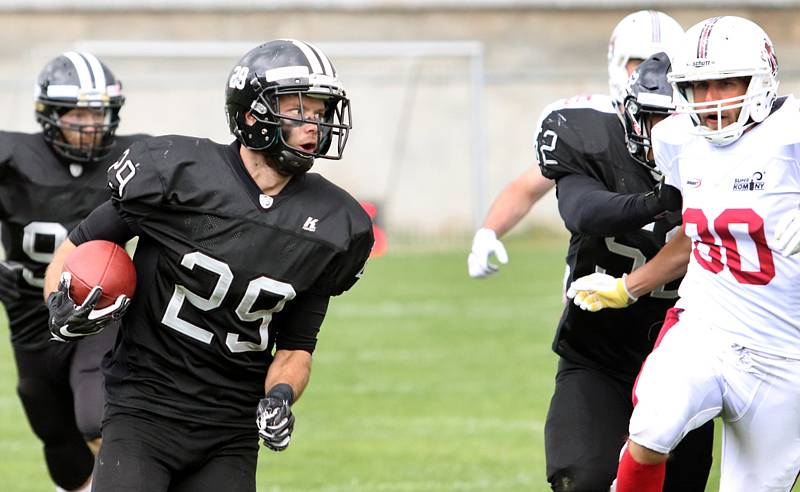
289	163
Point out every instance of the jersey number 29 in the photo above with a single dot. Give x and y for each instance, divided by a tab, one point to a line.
181	294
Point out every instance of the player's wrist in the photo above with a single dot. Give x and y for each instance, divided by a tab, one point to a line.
652	205
281	391
629	288
485	233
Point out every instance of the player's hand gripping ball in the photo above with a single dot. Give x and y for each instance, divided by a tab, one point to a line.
96	286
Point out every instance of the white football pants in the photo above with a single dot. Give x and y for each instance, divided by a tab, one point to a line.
696	375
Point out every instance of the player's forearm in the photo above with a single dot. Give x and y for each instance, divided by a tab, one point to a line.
292	367
669	264
53	273
516	200
588	207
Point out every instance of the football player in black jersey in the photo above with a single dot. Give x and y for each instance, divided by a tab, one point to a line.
587	420
619	214
239	251
49	182
637	36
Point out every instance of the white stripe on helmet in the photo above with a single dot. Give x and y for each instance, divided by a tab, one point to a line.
313	61
97	71
82	68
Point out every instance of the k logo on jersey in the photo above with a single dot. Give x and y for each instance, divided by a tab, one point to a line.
751	183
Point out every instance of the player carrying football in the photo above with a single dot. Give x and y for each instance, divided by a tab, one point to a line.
239	252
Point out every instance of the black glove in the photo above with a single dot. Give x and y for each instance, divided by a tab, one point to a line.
664	198
274	417
9	275
70	322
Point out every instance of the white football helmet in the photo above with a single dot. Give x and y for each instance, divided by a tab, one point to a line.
721	48
638	36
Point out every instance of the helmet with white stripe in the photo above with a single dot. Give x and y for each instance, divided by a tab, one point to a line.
286	67
638	36
78	80
726	48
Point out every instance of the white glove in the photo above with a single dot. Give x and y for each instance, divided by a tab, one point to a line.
599	291
484	245
787	233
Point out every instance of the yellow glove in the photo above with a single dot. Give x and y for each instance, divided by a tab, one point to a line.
599	291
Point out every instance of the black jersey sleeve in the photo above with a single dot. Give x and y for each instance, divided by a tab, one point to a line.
6	153
6	156
346	268
587	207
136	182
103	223
298	325
560	148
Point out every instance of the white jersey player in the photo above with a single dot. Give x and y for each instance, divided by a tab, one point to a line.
734	351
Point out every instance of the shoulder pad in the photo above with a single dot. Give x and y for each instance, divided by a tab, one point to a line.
144	168
598	102
784	122
347	266
570	138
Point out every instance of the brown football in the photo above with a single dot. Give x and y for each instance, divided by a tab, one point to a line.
100	263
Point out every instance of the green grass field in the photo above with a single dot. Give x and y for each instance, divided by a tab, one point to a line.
424	380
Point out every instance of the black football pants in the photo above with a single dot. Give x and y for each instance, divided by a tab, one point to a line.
142	452
587	425
61	389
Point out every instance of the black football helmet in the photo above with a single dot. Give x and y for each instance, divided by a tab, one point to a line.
648	94
78	80
281	67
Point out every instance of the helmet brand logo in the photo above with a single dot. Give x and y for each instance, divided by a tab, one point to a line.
702	63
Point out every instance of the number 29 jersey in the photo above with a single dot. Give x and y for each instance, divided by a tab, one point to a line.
733	198
225	275
585	136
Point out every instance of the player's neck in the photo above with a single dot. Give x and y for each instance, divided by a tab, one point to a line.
270	181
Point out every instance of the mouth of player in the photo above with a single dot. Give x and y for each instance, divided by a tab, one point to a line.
714	120
309	147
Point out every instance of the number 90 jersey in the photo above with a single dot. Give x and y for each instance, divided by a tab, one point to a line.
41	200
225	275
733	198
586	137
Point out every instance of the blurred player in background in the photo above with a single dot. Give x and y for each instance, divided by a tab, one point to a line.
613	204
239	252
634	38
49	182
733	349
619	213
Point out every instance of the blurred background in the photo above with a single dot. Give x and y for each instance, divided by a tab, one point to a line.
424	380
446	93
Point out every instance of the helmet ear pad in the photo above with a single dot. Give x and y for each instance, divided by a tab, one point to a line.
762	105
267	137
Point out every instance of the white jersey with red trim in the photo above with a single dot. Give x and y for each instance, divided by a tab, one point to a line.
733	197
